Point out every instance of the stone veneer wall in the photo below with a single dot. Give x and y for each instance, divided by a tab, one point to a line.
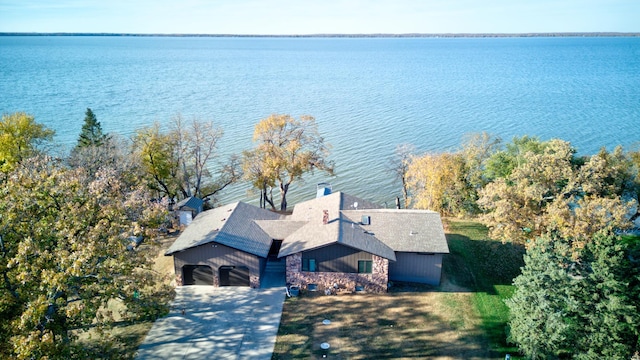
376	282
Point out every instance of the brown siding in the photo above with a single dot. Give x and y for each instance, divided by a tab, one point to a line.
337	258
415	267
216	255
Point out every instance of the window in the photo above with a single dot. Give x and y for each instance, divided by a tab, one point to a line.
309	265
364	266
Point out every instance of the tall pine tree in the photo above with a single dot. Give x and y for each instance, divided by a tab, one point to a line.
539	323
91	134
577	303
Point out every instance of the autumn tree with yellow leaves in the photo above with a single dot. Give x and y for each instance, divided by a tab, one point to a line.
437	182
20	138
449	182
65	254
178	162
553	190
286	149
529	187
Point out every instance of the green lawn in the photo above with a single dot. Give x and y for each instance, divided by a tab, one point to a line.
389	326
491	266
465	317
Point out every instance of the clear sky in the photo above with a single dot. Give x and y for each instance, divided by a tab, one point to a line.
319	16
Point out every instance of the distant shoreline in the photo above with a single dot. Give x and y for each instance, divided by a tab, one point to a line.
381	35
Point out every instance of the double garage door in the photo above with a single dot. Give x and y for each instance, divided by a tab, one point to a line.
203	275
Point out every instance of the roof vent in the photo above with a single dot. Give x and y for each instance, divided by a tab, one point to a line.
366	220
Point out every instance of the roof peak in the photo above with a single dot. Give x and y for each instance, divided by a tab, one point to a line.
385	210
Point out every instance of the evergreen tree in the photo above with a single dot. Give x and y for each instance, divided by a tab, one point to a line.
579	303
91	134
538	310
609	301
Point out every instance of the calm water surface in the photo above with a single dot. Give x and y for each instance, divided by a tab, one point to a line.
367	94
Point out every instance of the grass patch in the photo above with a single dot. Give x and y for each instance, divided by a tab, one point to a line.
386	326
631	240
465	317
491	268
122	341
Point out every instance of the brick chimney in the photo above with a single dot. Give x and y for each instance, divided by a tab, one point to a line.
325	216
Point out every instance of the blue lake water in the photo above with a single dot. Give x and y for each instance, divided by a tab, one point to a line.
367	94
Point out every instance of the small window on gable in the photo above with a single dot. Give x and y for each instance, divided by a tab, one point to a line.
364	266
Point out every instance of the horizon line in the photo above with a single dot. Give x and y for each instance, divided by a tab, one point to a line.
344	35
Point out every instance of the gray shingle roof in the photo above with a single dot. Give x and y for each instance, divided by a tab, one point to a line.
232	225
315	234
251	229
191	202
405	230
312	235
279	229
356	236
312	209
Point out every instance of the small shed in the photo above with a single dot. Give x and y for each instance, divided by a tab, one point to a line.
188	209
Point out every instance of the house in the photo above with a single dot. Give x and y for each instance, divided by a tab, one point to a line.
335	241
188	209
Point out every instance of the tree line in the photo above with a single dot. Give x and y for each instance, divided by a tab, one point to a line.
177	163
578	295
65	229
525	188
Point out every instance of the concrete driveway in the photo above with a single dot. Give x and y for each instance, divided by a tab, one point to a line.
218	323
